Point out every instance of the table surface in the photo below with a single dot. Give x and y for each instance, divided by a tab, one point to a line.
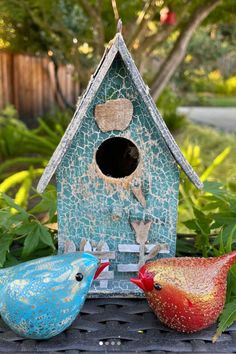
122	326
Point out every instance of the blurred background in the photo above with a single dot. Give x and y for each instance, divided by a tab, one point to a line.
186	53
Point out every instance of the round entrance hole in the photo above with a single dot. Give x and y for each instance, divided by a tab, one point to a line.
117	157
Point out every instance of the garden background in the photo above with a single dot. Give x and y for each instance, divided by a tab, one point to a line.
185	51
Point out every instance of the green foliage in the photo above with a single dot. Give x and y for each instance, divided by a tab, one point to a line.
207	68
47	204
51	28
57	122
215	215
215	84
189	195
35	234
209	151
23	235
204	99
167	104
24	153
214	227
211	143
16	140
227	318
23	181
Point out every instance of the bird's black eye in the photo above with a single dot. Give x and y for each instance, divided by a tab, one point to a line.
79	276
157	286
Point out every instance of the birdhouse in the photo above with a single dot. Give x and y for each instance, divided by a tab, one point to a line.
117	174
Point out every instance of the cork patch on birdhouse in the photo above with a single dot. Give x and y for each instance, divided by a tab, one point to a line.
114	114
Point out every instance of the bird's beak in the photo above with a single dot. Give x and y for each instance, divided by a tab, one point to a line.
100	269
144	283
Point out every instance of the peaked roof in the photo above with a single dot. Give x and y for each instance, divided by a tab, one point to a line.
118	46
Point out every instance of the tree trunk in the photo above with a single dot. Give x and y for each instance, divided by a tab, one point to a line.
58	86
177	54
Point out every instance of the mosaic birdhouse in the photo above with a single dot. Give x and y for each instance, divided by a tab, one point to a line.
117	174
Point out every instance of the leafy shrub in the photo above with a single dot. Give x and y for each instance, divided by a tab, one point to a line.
231	85
34	146
24	153
57	121
214	227
215	215
167	104
189	195
214	83
22	235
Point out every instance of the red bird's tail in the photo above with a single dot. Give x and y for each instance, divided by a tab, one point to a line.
223	263
228	259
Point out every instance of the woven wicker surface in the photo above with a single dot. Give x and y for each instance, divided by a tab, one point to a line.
119	325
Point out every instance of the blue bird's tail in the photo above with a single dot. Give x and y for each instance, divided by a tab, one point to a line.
4	278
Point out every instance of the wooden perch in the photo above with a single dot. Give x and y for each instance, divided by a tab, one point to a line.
153	253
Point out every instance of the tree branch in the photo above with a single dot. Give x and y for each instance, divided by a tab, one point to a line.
115	10
141	22
58	86
177	54
94	12
150	42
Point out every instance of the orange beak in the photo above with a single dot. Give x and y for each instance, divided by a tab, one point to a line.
143	282
100	269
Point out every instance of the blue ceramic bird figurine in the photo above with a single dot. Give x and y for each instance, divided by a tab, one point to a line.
42	297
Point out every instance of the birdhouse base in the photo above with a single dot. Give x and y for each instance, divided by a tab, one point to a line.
115	288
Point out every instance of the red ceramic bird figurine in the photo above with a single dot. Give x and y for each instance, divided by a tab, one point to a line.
187	294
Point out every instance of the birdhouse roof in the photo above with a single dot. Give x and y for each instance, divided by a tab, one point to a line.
117	45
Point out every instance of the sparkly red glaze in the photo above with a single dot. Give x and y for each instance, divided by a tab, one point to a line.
192	290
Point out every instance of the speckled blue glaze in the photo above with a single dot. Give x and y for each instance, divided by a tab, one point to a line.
41	298
86	200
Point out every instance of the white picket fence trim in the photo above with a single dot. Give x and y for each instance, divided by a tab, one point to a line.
131	248
127	268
